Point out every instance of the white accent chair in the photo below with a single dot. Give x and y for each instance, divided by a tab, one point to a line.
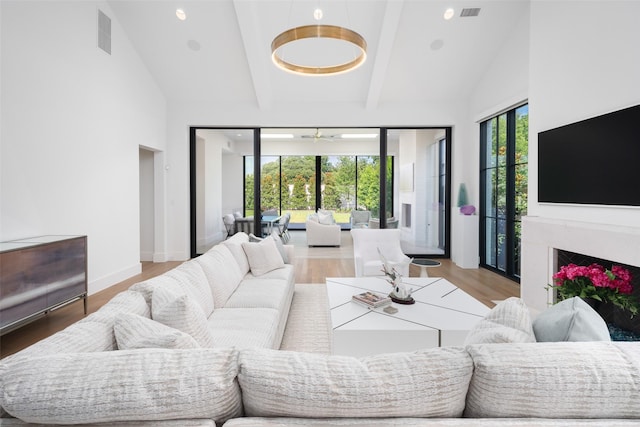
366	257
360	219
322	229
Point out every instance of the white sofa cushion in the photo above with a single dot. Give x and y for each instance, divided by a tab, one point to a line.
123	302
234	244
263	256
194	282
245	327
182	313
422	422
262	293
570	320
133	331
187	279
278	240
222	272
554	380
80	337
128	385
508	321
325	217
286	273
427	383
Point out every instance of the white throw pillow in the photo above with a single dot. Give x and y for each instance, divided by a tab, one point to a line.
507	322
325	217
263	256
570	320
133	332
425	383
276	238
182	313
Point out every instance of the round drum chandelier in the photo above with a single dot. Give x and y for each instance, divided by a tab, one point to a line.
320	32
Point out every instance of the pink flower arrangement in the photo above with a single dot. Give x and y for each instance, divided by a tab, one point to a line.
594	281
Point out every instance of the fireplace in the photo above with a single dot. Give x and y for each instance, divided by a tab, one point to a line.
609	312
542	238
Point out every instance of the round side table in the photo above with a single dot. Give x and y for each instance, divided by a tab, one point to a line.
424	263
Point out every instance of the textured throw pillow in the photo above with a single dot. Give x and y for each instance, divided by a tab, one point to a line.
123	387
182	313
276	238
133	332
425	383
509	321
325	217
570	320
263	256
555	380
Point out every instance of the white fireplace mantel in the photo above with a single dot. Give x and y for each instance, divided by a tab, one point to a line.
542	236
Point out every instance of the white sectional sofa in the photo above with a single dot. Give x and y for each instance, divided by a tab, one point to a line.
228	370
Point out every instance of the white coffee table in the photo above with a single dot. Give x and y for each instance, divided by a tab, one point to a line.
442	316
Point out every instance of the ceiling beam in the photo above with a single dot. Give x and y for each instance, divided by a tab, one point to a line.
249	25
392	14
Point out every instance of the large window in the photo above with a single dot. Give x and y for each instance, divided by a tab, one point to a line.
503	178
243	172
288	184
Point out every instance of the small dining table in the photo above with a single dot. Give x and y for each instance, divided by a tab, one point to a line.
269	221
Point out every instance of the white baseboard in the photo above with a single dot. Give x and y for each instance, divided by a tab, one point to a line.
111	279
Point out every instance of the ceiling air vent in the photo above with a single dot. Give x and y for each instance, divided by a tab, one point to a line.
469	12
104	32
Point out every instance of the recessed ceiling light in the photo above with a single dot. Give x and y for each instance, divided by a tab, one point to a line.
194	45
181	15
317	14
276	136
448	14
437	44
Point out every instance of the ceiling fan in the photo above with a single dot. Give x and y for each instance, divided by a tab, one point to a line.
319	136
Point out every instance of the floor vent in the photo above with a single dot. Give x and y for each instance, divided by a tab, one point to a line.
104	32
469	12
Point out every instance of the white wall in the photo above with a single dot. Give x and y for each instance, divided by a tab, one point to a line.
504	84
584	63
73	118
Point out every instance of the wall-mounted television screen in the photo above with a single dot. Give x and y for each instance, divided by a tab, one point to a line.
594	161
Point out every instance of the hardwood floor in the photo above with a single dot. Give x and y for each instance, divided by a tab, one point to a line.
313	265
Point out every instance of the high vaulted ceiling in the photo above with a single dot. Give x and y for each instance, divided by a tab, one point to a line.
222	52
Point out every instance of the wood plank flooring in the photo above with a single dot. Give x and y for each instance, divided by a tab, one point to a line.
313	265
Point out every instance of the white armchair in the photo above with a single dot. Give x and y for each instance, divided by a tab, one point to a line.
360	219
322	231
367	242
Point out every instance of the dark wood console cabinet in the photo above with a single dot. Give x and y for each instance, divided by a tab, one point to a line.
40	274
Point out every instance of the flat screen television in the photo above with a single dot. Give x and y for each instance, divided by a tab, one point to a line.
594	161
